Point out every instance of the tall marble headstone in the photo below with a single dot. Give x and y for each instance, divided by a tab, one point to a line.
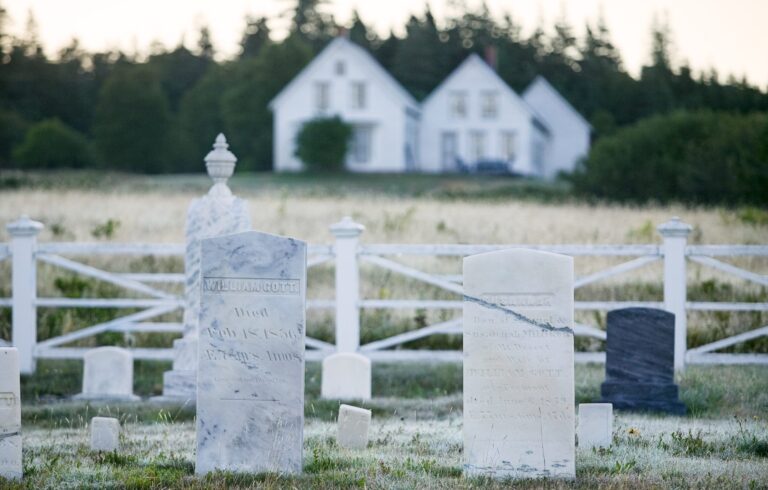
108	375
640	361
10	414
215	214
250	384
518	365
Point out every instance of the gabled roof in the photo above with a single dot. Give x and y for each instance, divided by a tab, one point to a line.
542	83
362	58
475	60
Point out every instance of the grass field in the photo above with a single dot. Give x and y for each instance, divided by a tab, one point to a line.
415	439
394	209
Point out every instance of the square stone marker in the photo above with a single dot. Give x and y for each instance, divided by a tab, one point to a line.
640	361
108	375
10	414
105	434
353	425
346	376
250	380
595	425
519	412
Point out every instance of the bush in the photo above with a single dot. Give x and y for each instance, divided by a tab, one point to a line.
701	157
322	143
52	144
13	127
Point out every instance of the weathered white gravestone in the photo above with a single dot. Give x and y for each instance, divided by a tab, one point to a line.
353	427
250	384
215	214
105	434
108	375
518	365
10	414
595	425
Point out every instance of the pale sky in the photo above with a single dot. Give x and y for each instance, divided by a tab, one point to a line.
729	35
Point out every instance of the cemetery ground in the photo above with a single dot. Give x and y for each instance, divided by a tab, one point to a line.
415	439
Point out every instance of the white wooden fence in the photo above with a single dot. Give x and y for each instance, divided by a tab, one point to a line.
348	253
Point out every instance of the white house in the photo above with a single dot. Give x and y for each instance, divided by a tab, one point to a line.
569	130
472	121
345	80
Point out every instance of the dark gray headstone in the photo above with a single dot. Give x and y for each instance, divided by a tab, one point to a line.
640	357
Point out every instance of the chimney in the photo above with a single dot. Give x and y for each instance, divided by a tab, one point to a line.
491	57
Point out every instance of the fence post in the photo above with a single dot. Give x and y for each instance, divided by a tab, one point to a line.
675	234
23	233
347	234
346	373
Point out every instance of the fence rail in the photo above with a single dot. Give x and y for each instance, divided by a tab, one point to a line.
346	255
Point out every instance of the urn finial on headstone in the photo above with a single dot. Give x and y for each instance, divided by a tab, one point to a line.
220	163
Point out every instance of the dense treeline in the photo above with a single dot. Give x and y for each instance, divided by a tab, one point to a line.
160	114
697	157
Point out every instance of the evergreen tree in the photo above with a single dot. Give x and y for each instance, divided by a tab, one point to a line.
255	82
205	48
360	34
178	71
657	79
200	115
255	37
420	62
132	127
311	24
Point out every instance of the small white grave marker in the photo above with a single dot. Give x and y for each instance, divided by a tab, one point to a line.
10	415
105	434
595	425
353	427
346	376
108	375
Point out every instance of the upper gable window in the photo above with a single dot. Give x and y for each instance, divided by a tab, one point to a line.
340	68
322	96
359	95
489	102
457	104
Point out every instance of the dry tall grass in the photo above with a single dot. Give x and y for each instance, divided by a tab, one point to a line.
156	216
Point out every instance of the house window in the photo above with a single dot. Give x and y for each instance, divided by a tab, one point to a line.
488	104
340	68
458	104
358	95
448	150
538	157
360	147
322	96
477	145
508	149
